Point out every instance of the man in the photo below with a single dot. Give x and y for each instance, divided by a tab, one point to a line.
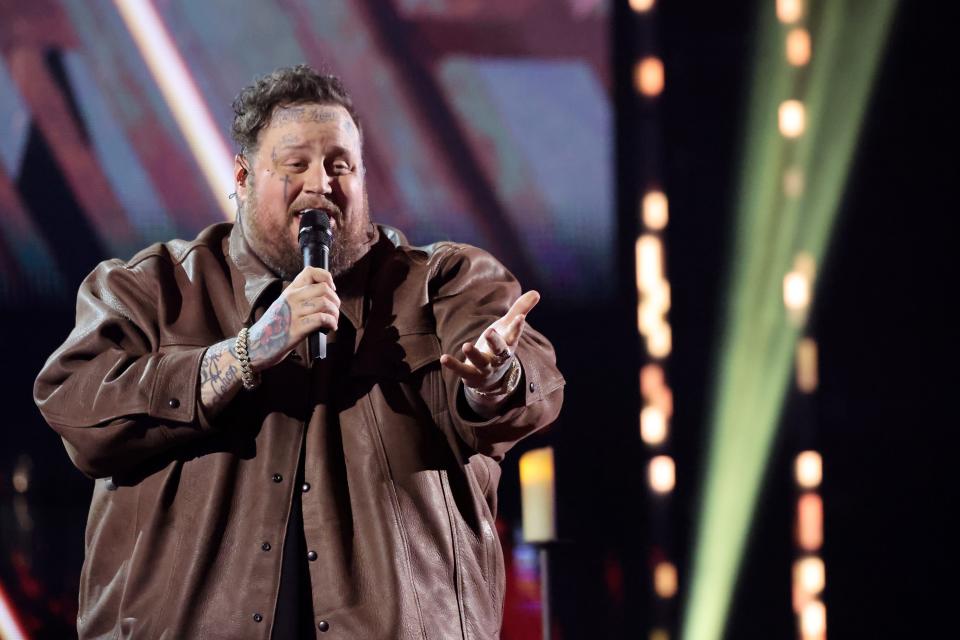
245	492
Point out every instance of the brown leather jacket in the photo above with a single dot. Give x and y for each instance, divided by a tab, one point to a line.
189	515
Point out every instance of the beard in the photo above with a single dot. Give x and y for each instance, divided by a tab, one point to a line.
269	237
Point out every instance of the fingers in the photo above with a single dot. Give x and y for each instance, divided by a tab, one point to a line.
316	295
478	366
497	344
523	305
313	299
483	359
315	321
478	358
462	369
313	305
313	275
511	334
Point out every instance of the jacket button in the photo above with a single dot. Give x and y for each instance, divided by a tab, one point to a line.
173	403
312	556
265	546
277	477
323	625
257	617
305	487
533	387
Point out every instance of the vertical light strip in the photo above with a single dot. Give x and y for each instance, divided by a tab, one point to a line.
656	336
182	96
788	199
9	627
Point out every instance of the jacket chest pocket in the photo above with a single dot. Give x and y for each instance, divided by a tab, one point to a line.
408	363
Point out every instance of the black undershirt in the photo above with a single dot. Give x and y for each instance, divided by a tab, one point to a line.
294	616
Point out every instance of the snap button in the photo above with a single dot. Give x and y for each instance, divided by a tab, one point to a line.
257	617
173	403
312	556
277	477
265	546
305	487
323	625
533	387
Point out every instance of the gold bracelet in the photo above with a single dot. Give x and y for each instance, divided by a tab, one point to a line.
249	379
511	380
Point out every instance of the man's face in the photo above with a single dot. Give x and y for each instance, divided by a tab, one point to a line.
308	158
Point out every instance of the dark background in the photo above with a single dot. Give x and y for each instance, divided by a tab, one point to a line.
884	411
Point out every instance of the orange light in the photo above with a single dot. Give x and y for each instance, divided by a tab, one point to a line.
798	597
813	621
662	474
808	469
654	390
809	575
792	118
537	495
21	473
789	11
660	341
796	291
798	47
641	6
653	425
658	296
655	210
810	522
659	634
665	579
648	76
807	376
651	380
649	256
648	318
664	400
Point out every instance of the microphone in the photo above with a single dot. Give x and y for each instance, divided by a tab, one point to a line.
315	239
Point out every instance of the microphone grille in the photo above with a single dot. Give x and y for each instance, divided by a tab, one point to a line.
315	225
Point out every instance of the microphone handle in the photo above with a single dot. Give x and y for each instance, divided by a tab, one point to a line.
317	255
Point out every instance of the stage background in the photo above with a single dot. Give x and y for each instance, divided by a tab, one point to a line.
494	122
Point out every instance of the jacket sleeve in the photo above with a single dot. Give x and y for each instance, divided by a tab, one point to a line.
111	392
471	290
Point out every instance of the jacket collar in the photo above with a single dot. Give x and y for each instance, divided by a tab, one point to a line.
250	276
254	278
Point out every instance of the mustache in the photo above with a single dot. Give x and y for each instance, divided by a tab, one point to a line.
324	204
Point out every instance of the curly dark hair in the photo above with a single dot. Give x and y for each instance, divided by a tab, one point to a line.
254	105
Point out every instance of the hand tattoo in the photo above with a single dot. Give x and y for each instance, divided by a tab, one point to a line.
271	339
219	373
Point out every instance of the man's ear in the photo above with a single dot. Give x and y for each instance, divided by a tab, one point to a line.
241	175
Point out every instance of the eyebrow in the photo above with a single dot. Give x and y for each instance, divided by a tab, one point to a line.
336	149
340	150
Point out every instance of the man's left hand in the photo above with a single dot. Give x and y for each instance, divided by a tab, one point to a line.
490	357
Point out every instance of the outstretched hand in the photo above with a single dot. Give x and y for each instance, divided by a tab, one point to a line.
487	360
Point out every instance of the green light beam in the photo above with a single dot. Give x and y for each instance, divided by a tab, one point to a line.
755	356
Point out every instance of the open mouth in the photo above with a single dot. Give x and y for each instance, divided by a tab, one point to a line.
331	213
